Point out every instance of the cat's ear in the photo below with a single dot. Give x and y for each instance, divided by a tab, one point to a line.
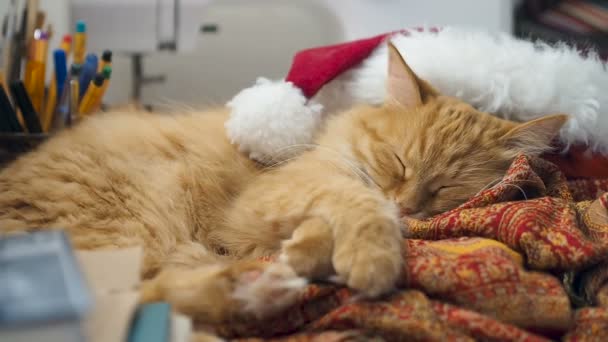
535	136
403	86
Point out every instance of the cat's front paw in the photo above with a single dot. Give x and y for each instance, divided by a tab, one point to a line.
310	249
266	292
371	264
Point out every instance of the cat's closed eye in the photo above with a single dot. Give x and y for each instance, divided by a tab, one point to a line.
403	168
443	189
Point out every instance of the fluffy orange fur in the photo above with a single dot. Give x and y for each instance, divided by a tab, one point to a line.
204	212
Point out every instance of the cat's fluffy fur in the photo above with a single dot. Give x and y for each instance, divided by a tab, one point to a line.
204	212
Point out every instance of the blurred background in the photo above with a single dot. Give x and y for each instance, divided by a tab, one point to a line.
200	52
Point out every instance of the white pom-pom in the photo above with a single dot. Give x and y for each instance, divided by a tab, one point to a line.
269	117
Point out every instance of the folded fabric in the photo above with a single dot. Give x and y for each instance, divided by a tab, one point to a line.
521	261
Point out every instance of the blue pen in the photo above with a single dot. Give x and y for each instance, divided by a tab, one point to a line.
89	69
65	116
61	70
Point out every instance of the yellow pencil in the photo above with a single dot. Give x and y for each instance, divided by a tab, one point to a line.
35	70
106	60
80	42
66	44
92	95
107	73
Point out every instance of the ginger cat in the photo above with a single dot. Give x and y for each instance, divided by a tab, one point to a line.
204	212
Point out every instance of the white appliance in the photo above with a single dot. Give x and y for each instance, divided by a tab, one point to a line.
207	50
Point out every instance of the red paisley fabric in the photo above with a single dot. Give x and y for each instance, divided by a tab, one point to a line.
523	261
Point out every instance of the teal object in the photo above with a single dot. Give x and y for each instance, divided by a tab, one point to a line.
81	26
151	323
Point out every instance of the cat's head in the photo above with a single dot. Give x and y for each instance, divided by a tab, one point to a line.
430	153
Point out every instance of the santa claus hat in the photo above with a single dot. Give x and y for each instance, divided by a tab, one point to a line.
516	79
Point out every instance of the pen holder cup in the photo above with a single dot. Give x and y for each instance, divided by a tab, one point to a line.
14	144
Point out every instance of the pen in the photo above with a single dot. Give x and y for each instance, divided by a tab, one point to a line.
61	70
5	107
8	114
80	42
15	39
27	109
74	97
63	110
55	87
49	32
9	46
88	72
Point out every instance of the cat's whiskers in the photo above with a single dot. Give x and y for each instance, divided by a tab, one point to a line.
279	155
350	165
490	184
499	181
279	163
519	188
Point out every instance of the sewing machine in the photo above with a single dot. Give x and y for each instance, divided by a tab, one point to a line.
140	27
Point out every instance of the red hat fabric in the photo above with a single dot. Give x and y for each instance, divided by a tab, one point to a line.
328	62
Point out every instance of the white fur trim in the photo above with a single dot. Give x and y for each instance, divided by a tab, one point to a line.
270	116
515	79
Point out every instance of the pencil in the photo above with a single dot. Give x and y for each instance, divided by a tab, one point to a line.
106	60
35	69
40	17
80	42
92	95
107	73
66	44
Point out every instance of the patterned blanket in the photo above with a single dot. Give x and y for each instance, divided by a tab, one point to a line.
523	261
